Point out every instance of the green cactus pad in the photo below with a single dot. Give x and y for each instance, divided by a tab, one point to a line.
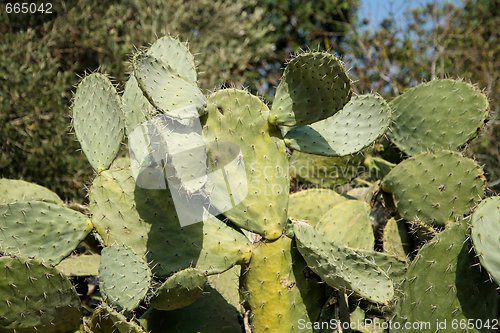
228	285
211	313
310	205
313	87
98	120
445	283
277	289
362	121
42	230
136	108
179	290
437	188
343	268
107	320
396	239
36	298
485	235
394	267
146	221
12	190
260	194
176	55
324	171
80	265
166	89
348	224
441	114
124	277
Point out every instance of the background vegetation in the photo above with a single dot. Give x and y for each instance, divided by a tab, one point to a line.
240	43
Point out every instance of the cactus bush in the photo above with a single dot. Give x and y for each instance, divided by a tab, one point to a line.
252	256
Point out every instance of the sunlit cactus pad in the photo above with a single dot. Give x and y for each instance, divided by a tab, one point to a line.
437	188
313	87
441	114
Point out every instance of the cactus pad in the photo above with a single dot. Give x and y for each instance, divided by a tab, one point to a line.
324	171
146	221
313	87
396	239
348	224
343	268
98	120
107	320
179	290
437	188
176	55
12	190
236	117
36	298
485	234
80	265
45	231
167	90
211	313
441	114
277	291
444	283
124	276
310	205
136	108
363	120
227	284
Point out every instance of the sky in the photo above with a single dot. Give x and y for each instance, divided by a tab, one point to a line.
376	10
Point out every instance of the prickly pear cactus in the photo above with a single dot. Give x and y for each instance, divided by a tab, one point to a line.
238	118
255	256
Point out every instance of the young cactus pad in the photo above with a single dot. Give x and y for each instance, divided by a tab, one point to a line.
485	234
348	224
437	188
98	120
179	290
125	277
363	120
441	114
166	90
311	204
314	87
